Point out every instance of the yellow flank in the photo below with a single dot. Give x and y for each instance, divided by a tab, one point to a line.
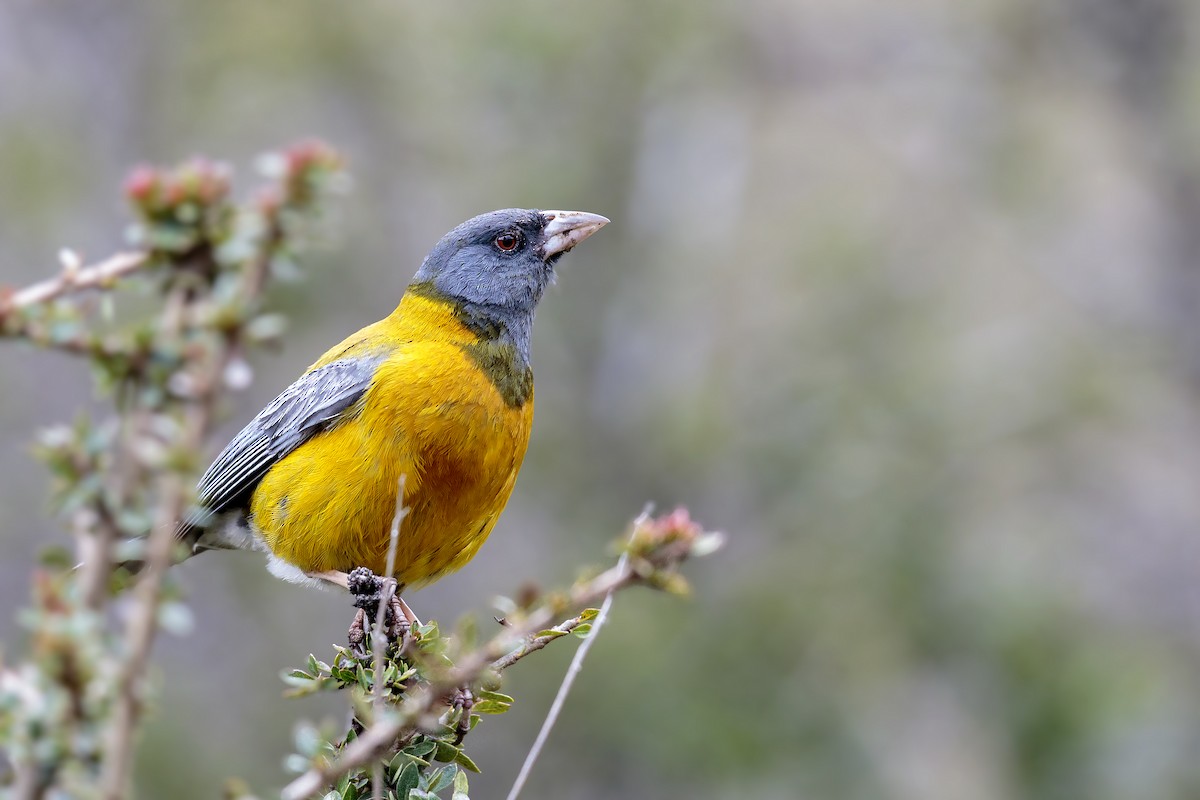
430	414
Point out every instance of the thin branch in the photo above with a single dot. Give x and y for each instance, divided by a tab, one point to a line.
381	735
143	622
532	644
96	532
30	782
73	278
379	695
563	690
139	638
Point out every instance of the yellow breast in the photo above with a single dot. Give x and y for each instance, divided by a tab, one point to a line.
442	412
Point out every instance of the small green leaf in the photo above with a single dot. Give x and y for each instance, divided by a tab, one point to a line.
499	697
402	760
583	630
56	557
589	614
460	786
445	752
420	749
409	779
441	778
465	761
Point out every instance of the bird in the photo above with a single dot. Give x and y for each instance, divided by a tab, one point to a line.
436	397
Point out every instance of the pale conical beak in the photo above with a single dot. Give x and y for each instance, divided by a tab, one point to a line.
565	229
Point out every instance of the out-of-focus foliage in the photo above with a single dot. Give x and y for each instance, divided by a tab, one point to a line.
901	293
72	696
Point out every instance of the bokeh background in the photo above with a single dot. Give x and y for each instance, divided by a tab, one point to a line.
901	295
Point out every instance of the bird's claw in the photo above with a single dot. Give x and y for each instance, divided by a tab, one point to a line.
368	589
357	635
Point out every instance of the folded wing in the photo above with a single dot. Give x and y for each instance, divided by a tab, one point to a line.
316	402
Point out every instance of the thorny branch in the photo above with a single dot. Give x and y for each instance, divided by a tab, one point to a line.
656	549
74	277
102	275
531	644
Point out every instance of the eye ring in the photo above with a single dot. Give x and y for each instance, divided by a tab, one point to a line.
508	241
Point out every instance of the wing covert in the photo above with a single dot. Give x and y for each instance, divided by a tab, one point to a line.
314	403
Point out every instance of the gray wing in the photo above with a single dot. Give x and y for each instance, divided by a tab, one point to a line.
314	403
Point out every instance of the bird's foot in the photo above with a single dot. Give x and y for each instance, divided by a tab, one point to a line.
369	590
462	700
357	635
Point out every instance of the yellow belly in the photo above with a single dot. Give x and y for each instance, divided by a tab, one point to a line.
429	416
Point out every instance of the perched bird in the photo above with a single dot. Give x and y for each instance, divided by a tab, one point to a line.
440	391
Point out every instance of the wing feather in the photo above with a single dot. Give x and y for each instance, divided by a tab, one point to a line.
316	402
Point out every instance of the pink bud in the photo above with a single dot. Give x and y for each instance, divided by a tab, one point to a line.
141	184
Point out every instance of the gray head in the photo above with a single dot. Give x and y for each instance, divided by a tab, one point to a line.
504	259
495	267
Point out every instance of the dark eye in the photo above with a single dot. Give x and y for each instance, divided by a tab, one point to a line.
508	241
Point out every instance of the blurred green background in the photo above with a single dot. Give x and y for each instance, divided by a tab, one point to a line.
902	295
